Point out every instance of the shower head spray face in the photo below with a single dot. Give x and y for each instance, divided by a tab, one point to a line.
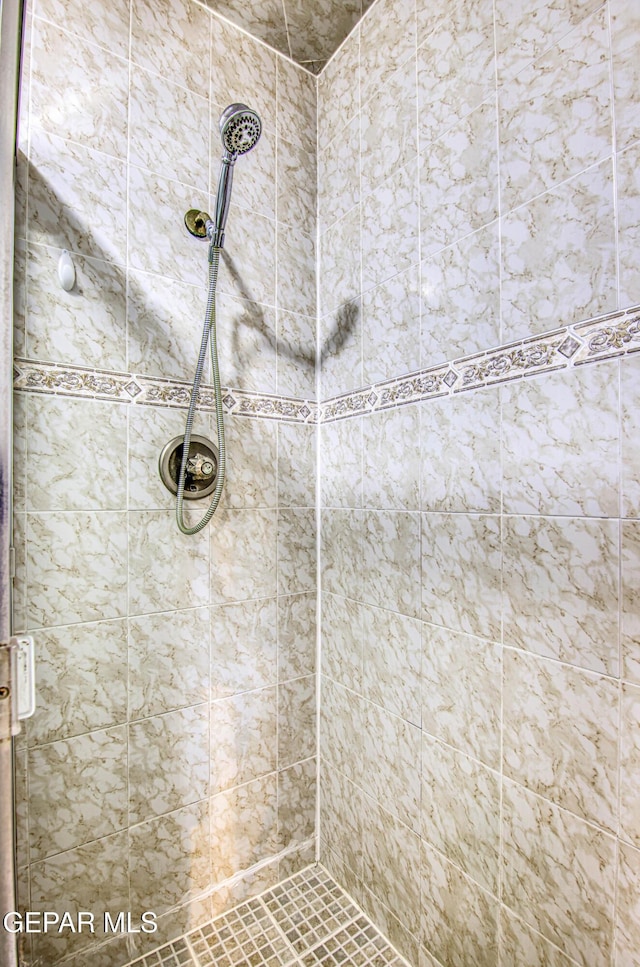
240	128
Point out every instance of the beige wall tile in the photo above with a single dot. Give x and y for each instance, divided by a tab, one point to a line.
243	826
247	340
558	873
630	765
297	633
630	604
170	858
560	735
460	811
296	551
252	469
296	720
458	180
341	533
297	180
93	877
388	132
522	35
339	265
339	91
390	328
341	350
296	464
461	692
296	289
237	573
392	779
254	179
521	946
625	43
387	40
77	791
460	456
565	462
559	256
77	198
339	174
459	923
391	863
79	448
161	676
390	227
78	91
627	934
56	322
460	298
391	561
297	103
342	641
561	589
244	735
391	662
461	572
297	804
628	185
167	569
164	325
180	54
168	762
231	50
108	28
341	818
341	729
243	647
81	680
156	211
555	115
391	465
296	362
77	567
456	66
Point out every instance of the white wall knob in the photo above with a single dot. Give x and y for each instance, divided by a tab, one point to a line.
66	271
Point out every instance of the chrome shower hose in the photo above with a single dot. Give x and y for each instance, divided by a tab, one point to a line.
209	338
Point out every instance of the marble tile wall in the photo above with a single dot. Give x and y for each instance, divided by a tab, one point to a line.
478	205
309	31
173	746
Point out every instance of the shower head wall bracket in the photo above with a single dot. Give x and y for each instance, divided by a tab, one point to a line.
198	223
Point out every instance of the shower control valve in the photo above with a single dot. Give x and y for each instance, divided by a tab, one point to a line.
200	467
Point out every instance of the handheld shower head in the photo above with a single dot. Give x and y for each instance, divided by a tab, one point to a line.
240	128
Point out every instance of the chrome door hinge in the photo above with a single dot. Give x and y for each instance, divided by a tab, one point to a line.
17	684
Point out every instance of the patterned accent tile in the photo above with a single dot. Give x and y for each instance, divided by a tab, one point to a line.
37	377
606	336
609	337
71	381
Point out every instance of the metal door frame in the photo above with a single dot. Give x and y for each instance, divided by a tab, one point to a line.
11	17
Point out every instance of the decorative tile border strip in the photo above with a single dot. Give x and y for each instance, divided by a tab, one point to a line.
615	334
76	381
608	336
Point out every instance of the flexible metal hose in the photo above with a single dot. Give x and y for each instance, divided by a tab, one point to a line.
209	337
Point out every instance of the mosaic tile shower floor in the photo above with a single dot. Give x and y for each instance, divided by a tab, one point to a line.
307	920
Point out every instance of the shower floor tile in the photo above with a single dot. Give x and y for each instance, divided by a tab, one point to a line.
307	921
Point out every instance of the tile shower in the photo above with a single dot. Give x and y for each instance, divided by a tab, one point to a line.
474	218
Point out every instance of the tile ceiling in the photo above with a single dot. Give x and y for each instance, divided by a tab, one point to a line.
308	31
